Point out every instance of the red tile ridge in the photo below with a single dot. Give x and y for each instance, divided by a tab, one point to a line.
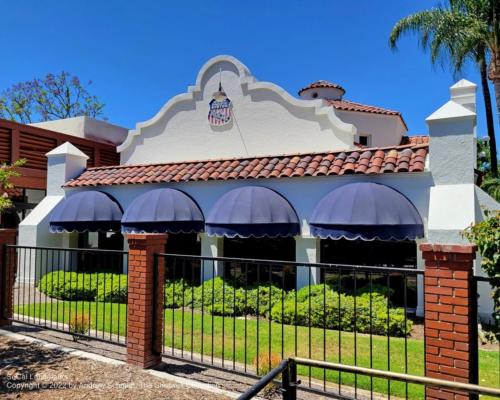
250	158
340	162
322	84
353	106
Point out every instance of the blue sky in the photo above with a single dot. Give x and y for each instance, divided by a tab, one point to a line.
140	53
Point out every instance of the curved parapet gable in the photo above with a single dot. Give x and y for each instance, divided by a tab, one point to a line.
261	119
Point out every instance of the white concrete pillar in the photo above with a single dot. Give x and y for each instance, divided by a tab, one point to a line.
452	159
307	250
211	246
64	163
452	138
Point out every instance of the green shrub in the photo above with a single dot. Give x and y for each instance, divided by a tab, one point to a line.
375	288
261	299
112	289
76	286
68	286
315	305
312	291
218	297
178	293
320	306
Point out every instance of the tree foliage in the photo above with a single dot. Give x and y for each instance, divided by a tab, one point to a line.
486	235
52	97
464	30
490	184
7	172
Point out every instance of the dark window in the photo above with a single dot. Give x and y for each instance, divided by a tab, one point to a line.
280	249
363	140
400	254
183	268
101	262
183	243
374	252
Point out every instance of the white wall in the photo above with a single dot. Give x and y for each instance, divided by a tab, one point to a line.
384	130
322	93
88	128
266	121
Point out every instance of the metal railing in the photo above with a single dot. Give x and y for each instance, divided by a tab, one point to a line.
289	383
256	311
78	291
489	332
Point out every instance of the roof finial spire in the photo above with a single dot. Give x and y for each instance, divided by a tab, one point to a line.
220	79
220	95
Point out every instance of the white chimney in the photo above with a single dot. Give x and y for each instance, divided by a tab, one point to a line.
464	93
452	159
452	142
64	163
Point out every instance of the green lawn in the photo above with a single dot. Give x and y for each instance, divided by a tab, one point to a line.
323	345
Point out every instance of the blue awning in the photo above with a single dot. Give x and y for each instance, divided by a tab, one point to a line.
163	210
87	211
366	211
252	211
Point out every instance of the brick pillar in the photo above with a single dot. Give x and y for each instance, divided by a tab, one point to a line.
7	275
145	300
450	298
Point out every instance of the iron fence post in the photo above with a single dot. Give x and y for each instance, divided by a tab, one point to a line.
3	283
153	306
291	380
474	346
285	383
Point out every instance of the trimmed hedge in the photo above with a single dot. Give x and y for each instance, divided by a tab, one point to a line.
219	297
105	287
319	306
113	289
178	293
261	299
68	286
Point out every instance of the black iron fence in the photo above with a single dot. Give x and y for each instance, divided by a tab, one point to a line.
246	315
78	291
241	315
488	330
287	370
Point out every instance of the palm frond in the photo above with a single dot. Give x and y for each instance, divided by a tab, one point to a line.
452	35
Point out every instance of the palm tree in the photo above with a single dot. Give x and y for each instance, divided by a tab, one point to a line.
466	30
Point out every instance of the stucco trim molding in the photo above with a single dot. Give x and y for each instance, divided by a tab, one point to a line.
249	83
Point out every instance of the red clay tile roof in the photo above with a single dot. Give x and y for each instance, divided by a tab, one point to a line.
362	161
322	84
415	140
347	105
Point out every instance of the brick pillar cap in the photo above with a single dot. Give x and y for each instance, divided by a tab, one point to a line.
448	248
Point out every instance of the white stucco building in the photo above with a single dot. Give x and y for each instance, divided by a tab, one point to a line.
242	151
